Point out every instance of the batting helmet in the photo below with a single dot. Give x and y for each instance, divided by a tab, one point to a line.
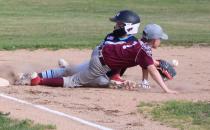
130	19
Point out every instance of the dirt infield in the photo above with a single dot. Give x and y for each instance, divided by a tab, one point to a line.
115	109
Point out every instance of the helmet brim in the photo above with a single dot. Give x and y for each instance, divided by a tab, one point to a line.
113	19
164	36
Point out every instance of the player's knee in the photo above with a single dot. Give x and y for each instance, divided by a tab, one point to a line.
71	82
103	81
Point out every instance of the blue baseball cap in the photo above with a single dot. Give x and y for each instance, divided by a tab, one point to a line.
154	31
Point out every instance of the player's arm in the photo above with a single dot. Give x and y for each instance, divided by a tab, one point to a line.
156	76
145	72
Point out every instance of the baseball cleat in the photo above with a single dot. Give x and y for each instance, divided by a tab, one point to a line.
62	63
116	79
114	85
116	82
27	79
35	79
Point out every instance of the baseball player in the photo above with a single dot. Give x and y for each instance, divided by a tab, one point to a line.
114	57
127	24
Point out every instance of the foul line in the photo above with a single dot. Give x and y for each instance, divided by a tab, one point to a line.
56	112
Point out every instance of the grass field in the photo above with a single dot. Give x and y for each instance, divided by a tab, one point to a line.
84	23
9	124
179	114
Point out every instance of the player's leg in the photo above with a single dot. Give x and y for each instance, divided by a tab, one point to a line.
84	77
25	78
53	73
64	70
53	77
94	71
101	81
115	76
34	79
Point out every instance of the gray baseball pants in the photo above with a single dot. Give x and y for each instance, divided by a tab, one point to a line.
90	73
93	73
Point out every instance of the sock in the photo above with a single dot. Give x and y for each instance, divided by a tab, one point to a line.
54	82
35	81
52	73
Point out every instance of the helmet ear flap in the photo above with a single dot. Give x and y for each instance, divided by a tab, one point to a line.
145	35
131	28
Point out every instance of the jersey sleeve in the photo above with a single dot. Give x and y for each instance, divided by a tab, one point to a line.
144	60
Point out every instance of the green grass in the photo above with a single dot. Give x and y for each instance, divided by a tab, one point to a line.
84	23
185	115
9	124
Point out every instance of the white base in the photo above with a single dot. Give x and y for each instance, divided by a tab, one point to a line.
4	82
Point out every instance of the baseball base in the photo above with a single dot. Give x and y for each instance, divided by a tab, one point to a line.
4	82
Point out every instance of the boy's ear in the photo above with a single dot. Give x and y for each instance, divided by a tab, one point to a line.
145	35
152	41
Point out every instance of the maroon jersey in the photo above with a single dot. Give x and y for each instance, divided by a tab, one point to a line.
127	54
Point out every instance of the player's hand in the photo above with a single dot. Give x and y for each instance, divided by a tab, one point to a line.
129	85
145	84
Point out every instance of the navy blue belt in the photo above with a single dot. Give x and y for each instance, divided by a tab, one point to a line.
101	59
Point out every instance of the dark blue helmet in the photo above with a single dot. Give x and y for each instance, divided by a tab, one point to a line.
130	19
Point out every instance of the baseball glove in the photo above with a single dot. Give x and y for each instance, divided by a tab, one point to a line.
166	70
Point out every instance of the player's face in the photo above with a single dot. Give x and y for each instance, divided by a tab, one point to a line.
156	43
119	25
